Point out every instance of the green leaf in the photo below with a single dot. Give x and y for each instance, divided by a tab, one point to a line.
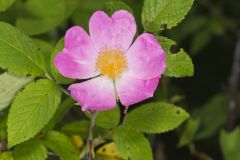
200	41
61	145
217	106
46	49
216	26
61	111
18	54
33	149
230	144
3	125
31	110
111	6
4	4
77	127
6	156
57	76
132	145
71	6
81	128
108	119
178	64
84	11
189	132
44	15
155	118
9	87
159	13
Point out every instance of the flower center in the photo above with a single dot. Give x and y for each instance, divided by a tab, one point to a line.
111	63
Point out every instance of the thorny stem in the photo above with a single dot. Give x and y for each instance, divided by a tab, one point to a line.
233	87
90	153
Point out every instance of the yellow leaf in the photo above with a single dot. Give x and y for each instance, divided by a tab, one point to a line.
108	152
77	141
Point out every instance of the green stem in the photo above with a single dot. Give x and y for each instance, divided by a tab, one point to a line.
90	142
3	146
198	154
125	113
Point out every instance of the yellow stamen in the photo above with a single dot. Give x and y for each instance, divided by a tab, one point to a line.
111	63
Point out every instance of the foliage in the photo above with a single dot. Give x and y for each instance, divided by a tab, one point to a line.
128	143
33	148
155	118
31	110
40	121
161	14
229	143
10	85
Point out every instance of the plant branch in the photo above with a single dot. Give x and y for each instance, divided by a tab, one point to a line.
125	113
90	153
233	87
3	146
64	91
198	154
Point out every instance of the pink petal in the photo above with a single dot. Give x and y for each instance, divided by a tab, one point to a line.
70	66
146	58
95	94
132	90
112	32
79	56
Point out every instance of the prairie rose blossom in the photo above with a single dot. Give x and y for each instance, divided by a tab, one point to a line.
112	67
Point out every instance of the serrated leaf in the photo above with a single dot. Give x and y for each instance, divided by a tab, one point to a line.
217	106
159	13
18	54
108	119
189	132
4	4
9	87
42	17
230	144
155	118
57	76
6	156
178	64
31	110
111	6
61	145
33	149
132	145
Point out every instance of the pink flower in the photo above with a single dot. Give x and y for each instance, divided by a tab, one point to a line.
115	69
